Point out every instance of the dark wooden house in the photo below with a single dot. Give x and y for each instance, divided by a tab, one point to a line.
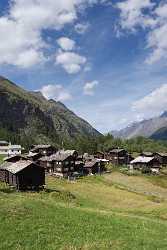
118	157
93	167
22	174
162	157
59	164
146	164
43	149
46	163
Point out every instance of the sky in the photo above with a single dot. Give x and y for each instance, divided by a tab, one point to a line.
104	59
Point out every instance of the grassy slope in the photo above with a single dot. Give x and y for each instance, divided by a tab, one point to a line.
94	213
1	158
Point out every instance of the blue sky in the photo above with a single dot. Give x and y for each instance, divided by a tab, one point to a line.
106	60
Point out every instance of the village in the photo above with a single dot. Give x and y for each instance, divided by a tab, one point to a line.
27	171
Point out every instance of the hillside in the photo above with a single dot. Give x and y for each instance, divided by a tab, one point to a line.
160	134
114	211
145	128
29	117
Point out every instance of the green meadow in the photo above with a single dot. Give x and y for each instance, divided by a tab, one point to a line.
113	211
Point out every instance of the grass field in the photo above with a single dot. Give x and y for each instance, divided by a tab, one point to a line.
113	211
1	158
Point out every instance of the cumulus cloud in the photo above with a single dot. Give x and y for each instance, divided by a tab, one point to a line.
157	38
145	14
81	28
66	43
56	92
152	104
132	13
89	87
22	27
70	61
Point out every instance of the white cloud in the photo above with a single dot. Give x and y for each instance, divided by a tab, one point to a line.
66	43
152	104
70	61
145	14
56	92
157	38
132	13
22	27
81	28
90	87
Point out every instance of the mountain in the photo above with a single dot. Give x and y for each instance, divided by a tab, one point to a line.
160	134
147	128
29	117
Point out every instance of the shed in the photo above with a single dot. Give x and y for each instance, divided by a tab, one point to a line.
92	167
22	174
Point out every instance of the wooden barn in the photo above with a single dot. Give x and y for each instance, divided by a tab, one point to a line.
22	174
118	156
146	164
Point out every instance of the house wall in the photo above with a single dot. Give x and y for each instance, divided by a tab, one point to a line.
32	176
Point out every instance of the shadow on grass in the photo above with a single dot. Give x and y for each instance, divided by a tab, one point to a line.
7	190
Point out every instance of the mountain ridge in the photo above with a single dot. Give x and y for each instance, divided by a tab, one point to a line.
146	128
28	114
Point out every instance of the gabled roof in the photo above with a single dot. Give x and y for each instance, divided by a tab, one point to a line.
31	154
149	154
59	156
15	147
15	167
41	146
4	142
13	157
117	150
90	164
161	154
142	159
67	152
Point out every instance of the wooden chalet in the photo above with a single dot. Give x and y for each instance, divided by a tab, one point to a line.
43	149
118	156
146	164
59	164
22	175
162	157
93	167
